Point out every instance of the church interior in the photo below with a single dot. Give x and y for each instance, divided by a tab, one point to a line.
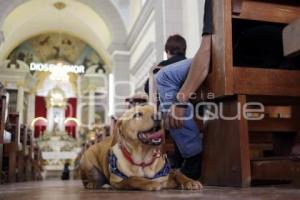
70	69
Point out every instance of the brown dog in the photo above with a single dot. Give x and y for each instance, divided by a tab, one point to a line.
131	159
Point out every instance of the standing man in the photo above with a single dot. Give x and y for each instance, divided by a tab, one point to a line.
176	83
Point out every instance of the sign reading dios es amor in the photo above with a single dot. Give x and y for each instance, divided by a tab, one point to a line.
45	67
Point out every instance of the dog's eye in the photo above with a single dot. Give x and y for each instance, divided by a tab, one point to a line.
138	115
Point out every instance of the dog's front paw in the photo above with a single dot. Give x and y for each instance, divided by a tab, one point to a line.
152	186
191	185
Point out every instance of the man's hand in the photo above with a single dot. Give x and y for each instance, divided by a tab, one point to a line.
174	118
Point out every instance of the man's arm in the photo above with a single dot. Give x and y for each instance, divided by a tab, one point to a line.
200	65
198	70
197	74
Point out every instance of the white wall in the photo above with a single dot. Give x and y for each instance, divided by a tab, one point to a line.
193	11
155	23
141	43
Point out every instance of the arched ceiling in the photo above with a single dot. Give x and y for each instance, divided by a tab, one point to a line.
97	22
56	47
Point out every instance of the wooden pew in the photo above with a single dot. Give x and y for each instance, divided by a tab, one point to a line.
228	144
291	41
2	111
37	164
29	156
11	150
2	125
22	154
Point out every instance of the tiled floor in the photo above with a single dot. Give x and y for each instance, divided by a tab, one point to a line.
73	190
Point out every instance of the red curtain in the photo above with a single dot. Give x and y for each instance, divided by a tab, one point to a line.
39	127
40	111
70	127
71	108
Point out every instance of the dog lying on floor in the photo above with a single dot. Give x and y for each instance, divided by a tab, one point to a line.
131	159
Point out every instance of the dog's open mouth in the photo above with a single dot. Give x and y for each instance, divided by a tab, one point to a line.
152	136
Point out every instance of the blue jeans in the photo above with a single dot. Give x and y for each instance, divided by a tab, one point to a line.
169	81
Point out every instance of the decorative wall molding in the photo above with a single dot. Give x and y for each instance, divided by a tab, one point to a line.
16	77
139	24
143	66
117	47
147	52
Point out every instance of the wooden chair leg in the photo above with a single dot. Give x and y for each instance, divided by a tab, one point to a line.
30	170
25	169
1	163
21	166
296	117
12	167
227	163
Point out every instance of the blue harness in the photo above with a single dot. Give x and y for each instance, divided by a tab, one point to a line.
114	169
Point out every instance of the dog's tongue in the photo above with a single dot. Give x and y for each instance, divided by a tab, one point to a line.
155	135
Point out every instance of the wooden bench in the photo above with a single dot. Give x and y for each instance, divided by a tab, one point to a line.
229	144
37	168
29	156
3	110
291	41
21	156
11	150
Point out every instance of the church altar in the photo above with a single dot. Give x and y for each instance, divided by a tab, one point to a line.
57	149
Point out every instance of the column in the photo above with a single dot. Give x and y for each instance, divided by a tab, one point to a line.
50	117
79	107
106	102
91	106
20	103
78	115
122	88
31	108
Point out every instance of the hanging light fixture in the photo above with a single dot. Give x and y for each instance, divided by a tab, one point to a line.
59	5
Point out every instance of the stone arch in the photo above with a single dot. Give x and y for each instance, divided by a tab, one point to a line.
104	8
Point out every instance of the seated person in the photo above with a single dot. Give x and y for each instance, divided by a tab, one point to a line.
175	83
66	172
175	49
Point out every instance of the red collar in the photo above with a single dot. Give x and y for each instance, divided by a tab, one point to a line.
143	165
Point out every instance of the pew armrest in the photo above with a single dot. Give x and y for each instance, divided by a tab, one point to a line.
291	41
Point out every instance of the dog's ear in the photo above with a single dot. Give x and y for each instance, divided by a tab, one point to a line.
116	132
